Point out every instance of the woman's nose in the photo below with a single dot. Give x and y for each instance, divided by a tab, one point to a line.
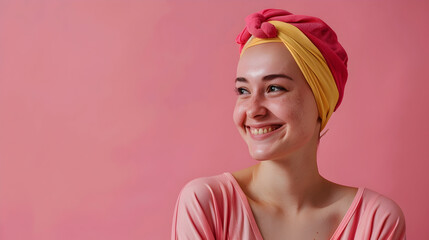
256	107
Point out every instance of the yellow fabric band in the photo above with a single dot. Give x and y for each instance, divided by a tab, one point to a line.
312	65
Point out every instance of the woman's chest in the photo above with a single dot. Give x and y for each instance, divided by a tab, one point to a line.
276	225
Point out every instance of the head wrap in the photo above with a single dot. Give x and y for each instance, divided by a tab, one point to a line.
314	46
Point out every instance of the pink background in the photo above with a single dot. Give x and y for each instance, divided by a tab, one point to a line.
107	108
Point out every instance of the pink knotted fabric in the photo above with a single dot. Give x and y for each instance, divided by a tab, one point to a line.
317	31
257	25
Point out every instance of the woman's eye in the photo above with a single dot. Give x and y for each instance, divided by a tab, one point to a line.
241	91
274	88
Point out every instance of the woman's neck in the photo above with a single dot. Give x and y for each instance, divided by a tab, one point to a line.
291	184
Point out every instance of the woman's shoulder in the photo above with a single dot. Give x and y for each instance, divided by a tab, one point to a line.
382	215
211	208
205	199
206	182
375	202
206	189
199	208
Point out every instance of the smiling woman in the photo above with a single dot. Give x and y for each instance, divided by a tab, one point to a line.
290	79
269	101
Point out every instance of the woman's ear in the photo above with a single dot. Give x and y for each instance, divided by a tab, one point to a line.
326	130
319	120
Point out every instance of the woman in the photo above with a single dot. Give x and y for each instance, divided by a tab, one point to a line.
290	78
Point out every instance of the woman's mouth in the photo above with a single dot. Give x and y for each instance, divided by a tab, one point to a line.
262	130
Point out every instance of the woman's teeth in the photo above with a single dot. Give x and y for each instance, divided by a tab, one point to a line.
259	131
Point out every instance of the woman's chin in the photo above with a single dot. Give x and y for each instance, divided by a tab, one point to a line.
261	154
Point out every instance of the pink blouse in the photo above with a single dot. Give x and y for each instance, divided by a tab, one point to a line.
216	208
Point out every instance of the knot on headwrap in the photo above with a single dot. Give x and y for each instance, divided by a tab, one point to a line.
258	27
314	46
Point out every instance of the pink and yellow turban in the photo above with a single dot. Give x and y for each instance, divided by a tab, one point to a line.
313	45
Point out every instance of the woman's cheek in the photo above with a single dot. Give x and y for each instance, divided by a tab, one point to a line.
283	109
289	109
239	114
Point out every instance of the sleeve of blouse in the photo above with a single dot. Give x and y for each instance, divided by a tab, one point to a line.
388	221
194	214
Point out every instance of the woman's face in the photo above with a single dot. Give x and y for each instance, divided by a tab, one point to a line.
275	112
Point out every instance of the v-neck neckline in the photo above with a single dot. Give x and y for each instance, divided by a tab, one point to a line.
255	227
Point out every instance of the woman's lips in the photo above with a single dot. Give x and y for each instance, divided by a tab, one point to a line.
263	131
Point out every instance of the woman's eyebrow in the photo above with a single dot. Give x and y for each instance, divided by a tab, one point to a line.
241	79
274	76
266	78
